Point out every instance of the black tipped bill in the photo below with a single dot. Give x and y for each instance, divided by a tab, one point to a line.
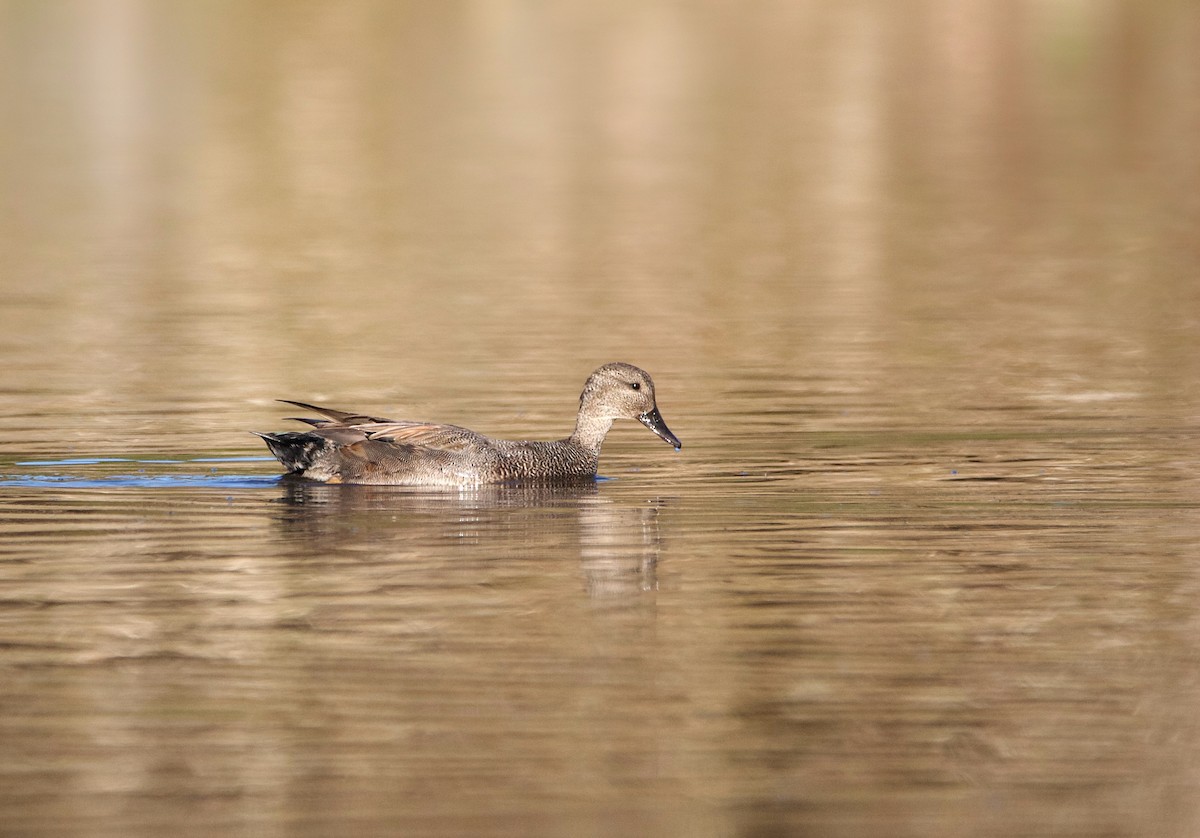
653	420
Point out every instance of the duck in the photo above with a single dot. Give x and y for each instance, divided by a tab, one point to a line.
347	447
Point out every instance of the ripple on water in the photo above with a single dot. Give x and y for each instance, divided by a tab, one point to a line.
133	472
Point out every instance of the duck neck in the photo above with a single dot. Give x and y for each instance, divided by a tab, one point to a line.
590	431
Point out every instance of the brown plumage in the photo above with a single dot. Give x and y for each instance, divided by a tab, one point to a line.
347	447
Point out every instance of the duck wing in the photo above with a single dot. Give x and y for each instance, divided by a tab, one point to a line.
425	435
410	452
345	428
335	417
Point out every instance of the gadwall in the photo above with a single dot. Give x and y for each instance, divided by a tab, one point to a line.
354	448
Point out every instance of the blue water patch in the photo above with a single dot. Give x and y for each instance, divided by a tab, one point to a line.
142	481
94	461
146	476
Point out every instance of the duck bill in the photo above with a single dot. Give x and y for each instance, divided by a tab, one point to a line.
653	420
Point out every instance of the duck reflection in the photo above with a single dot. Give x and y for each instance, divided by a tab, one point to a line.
619	547
616	544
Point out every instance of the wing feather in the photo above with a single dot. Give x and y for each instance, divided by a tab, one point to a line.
346	428
425	435
340	417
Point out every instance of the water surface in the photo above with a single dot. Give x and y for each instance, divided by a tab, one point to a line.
919	295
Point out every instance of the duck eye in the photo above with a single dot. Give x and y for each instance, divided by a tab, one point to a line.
637	385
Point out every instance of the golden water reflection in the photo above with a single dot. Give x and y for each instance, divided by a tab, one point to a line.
917	287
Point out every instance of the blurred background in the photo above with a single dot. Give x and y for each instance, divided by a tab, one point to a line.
209	203
918	285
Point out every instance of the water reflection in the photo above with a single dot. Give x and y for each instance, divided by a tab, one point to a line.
616	545
918	279
620	547
327	498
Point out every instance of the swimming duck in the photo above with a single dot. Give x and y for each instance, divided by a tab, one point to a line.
344	447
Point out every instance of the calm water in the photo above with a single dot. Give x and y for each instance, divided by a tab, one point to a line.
920	293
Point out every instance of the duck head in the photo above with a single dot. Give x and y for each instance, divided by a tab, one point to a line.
623	391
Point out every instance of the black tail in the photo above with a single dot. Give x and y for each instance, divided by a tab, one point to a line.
297	451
